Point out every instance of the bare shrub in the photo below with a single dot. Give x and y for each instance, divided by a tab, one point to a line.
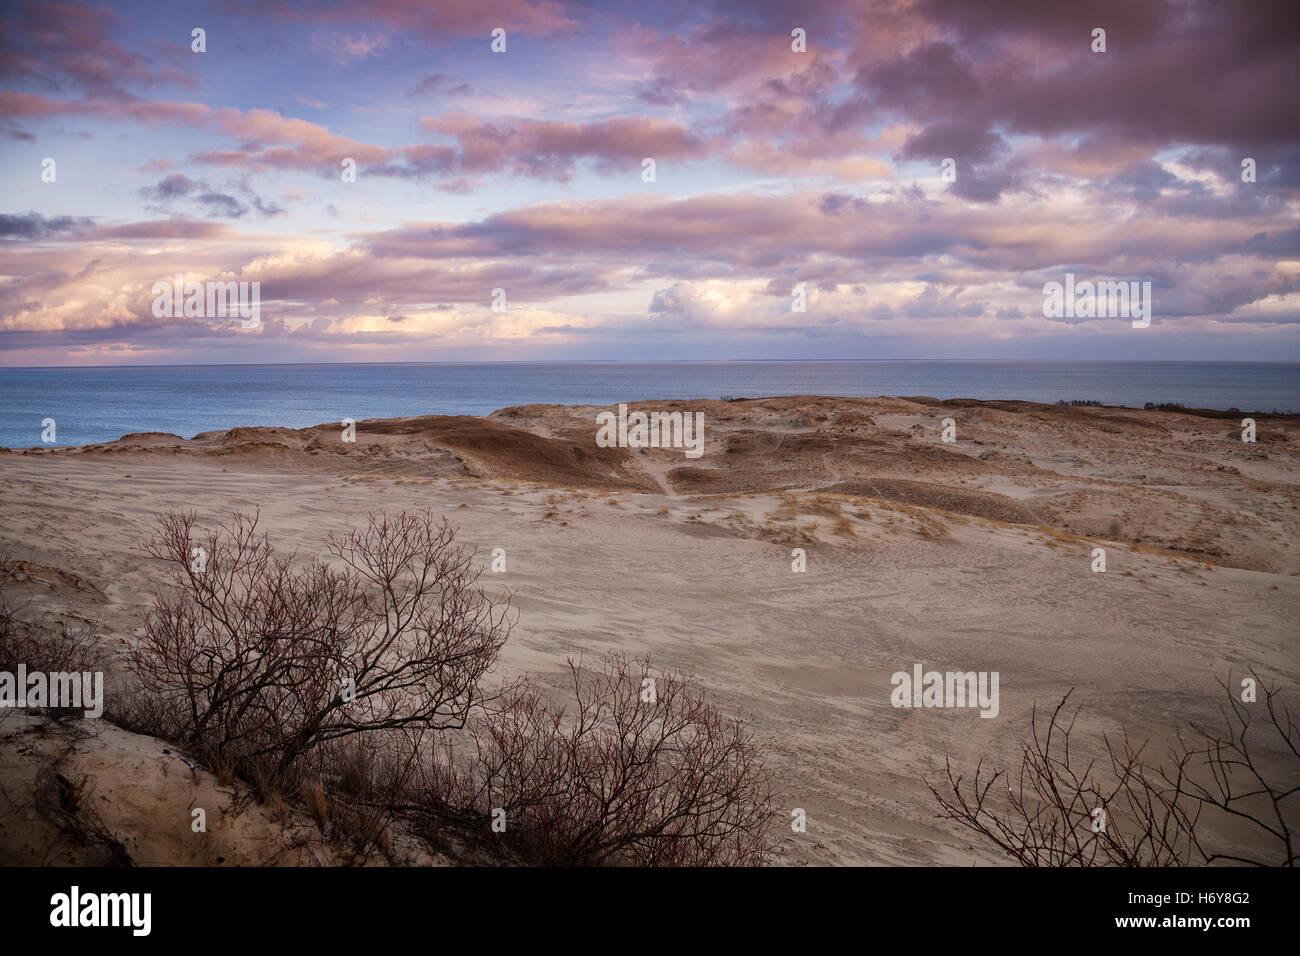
634	774
326	684
1117	810
253	659
67	648
1046	815
358	783
67	805
1241	782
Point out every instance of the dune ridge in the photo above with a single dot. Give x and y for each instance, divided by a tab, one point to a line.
1175	480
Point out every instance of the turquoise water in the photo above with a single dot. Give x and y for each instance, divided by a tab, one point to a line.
100	404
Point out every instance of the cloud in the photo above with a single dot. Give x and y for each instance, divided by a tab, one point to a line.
438	83
346	48
178	186
35	226
550	149
778	170
1173	73
67	47
170	187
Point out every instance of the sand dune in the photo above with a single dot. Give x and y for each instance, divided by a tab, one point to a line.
972	555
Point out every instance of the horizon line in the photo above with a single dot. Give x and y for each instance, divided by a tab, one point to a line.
729	361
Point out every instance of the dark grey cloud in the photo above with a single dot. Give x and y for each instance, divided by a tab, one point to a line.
214	203
1195	72
963	140
172	186
221	204
33	225
438	83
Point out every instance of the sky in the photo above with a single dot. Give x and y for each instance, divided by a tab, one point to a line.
831	179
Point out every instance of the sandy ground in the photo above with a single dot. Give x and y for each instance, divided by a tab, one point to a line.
974	555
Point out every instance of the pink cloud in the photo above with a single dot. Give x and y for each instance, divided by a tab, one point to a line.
437	20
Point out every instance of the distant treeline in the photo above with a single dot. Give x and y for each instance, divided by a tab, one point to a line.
1175	407
1234	410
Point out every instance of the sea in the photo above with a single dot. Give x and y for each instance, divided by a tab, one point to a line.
96	404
